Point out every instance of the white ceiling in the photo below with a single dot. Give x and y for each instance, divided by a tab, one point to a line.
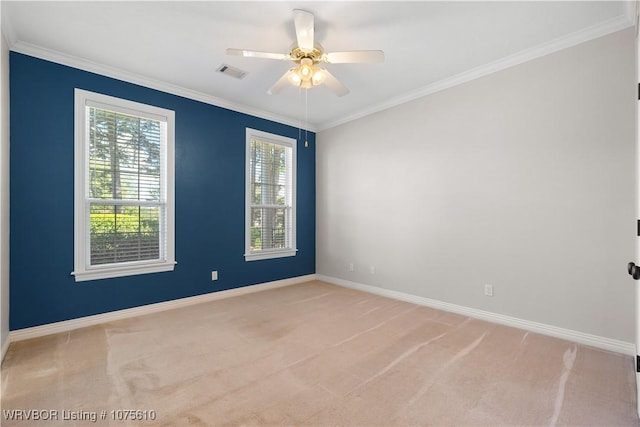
177	46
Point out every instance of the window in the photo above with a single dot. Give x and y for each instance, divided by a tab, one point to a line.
270	196
124	210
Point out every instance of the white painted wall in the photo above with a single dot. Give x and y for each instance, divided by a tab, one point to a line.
523	179
4	195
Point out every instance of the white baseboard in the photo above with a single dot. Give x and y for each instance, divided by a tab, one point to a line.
5	347
69	325
541	328
554	331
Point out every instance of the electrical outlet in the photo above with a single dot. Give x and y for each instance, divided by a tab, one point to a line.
351	267
214	275
372	269
488	290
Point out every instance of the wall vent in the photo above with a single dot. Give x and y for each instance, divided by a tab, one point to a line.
231	71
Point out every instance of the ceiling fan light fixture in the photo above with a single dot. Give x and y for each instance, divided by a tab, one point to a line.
306	74
294	77
318	76
307	54
305	69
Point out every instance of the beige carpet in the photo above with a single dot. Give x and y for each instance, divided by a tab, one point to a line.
310	355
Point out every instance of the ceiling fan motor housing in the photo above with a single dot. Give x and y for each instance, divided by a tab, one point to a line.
316	55
306	54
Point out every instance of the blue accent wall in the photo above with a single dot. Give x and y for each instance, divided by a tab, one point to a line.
209	193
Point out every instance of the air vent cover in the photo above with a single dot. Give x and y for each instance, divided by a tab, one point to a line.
231	71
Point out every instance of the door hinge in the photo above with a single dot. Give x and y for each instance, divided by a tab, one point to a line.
637	363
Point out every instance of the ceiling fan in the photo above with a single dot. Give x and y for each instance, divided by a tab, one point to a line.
307	54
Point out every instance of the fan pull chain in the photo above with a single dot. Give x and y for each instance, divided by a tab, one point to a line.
300	125
306	116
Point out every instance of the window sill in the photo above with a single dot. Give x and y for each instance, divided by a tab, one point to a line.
256	256
120	271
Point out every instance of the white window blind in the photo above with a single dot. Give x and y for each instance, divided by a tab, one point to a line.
124	187
125	203
270	196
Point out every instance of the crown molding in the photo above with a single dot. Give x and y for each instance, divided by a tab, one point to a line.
608	27
6	29
613	25
117	73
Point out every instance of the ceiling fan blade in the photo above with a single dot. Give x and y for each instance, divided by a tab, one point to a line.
303	22
281	83
255	54
354	56
334	84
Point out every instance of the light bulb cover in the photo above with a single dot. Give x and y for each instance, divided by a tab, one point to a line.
307	74
305	69
294	78
318	76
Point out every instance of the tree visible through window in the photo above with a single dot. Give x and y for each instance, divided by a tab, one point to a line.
123	187
124	169
270	199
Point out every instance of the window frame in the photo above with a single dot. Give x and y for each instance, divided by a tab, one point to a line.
83	270
289	143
